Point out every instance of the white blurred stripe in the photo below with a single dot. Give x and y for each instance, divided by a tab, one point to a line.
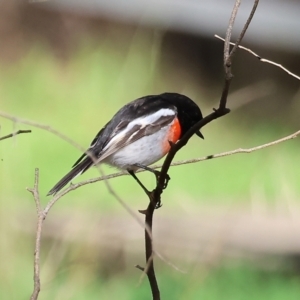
276	23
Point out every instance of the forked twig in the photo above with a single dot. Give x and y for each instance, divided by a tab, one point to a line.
263	59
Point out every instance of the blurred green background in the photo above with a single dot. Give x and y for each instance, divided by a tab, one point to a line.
231	225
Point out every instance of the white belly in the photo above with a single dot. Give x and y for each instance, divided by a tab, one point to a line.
144	151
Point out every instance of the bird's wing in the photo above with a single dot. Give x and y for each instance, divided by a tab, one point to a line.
143	126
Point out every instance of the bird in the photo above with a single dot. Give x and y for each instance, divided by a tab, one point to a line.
138	135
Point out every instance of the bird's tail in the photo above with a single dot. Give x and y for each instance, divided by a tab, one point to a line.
77	170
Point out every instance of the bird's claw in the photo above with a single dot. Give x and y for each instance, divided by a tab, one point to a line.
158	205
165	184
166	181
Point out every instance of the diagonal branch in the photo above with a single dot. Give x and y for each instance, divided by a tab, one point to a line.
263	59
14	134
43	127
239	150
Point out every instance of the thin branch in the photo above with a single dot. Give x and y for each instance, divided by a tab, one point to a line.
239	150
159	255
36	276
140	268
228	55
120	200
227	58
242	34
263	59
14	134
43	127
229	31
145	272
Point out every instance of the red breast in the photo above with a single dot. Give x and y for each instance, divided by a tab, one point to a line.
173	135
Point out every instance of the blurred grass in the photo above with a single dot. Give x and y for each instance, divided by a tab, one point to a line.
78	97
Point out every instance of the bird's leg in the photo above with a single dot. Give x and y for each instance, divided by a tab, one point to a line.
149	194
139	182
156	173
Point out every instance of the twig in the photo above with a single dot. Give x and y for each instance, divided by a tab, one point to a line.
44	127
41	217
13	134
228	33
239	150
242	34
228	55
140	268
120	200
263	59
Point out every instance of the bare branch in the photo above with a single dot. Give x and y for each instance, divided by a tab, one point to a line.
13	134
43	127
145	270
242	34
120	200
229	31
168	262
239	150
140	268
40	215
263	59
228	56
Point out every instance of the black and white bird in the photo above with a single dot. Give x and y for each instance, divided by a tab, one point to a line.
139	134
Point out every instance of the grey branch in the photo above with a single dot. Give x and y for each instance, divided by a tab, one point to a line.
262	59
39	226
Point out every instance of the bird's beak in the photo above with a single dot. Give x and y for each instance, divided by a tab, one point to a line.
200	134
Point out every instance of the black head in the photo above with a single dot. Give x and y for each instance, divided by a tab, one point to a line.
188	111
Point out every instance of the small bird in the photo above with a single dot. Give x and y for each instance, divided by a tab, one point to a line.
139	134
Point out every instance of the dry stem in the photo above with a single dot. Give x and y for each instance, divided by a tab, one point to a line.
14	134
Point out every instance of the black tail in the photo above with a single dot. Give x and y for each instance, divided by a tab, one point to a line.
77	170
